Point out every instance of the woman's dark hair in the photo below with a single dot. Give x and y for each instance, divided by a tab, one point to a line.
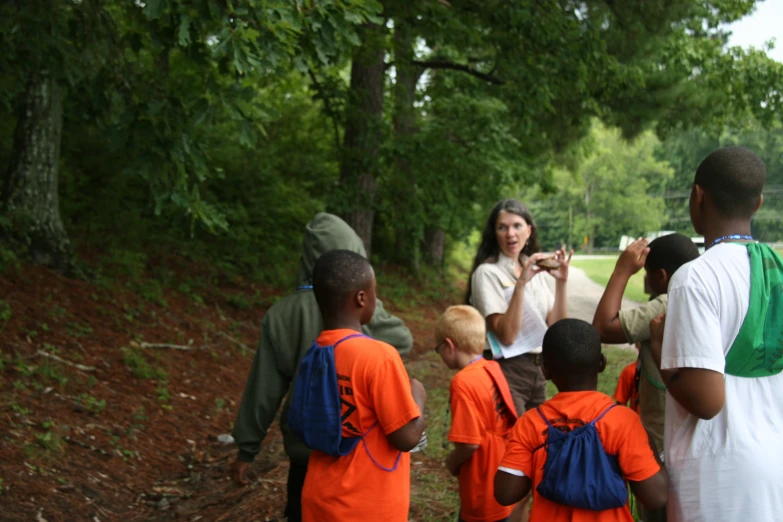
489	249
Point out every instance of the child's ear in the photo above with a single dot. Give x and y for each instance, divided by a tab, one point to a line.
602	364
361	299
450	344
663	277
758	205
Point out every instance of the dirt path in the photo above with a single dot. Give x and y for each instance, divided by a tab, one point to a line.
132	435
584	294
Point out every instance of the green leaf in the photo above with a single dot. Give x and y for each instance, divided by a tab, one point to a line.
153	9
184	31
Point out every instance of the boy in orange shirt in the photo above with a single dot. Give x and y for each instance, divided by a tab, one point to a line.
482	412
572	359
380	404
628	387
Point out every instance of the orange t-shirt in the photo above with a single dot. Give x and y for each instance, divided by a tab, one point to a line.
374	388
480	416
621	433
626	387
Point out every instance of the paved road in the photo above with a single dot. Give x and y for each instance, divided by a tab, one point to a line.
584	294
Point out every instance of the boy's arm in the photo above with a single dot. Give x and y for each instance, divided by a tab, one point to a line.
459	456
606	319
510	489
700	391
407	437
513	480
652	492
265	388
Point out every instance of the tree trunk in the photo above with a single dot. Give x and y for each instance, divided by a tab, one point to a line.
434	246
30	195
410	220
362	138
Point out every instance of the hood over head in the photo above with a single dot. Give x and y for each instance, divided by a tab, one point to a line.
325	232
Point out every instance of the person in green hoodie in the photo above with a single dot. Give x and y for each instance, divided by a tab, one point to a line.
287	331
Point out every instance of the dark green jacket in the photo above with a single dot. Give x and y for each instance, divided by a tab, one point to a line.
287	331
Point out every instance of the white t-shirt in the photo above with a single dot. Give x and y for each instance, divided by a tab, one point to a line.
492	287
728	468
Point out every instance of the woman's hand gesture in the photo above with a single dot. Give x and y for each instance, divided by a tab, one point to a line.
529	268
561	273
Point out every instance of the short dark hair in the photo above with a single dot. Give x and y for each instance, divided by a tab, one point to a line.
734	178
337	275
670	252
572	347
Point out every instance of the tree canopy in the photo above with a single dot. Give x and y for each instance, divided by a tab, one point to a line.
232	122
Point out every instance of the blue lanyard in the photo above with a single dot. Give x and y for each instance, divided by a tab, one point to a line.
305	287
474	360
731	237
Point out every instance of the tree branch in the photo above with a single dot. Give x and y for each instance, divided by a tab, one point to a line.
327	105
440	64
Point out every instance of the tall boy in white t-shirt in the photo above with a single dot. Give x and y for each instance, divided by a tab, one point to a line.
724	426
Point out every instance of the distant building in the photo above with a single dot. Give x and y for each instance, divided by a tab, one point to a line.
627	240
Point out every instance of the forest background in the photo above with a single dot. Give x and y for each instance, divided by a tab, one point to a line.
166	154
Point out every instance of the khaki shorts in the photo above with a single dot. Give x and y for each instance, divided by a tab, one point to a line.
526	380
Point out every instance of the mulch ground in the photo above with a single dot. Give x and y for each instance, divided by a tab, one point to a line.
111	404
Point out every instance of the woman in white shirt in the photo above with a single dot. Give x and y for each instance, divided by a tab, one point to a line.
510	291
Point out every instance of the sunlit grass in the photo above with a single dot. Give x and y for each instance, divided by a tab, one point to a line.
600	270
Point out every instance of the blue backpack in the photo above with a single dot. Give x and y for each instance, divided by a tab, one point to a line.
578	472
315	416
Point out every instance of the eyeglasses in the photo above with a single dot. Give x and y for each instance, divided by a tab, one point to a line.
437	348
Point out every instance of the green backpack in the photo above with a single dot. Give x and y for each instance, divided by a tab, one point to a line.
758	349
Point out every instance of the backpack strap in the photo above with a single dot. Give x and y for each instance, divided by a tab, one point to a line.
496	374
538	409
603	413
399	455
351	336
384	468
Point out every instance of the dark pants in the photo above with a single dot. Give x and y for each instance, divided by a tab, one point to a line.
652	515
296	478
525	380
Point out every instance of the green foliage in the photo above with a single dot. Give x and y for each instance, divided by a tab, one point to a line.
50	441
77	329
685	149
5	311
8	258
137	364
91	403
162	393
152	75
216	131
613	191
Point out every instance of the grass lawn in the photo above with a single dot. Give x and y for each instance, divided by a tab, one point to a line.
600	269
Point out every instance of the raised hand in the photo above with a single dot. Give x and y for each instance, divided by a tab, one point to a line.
633	257
562	272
